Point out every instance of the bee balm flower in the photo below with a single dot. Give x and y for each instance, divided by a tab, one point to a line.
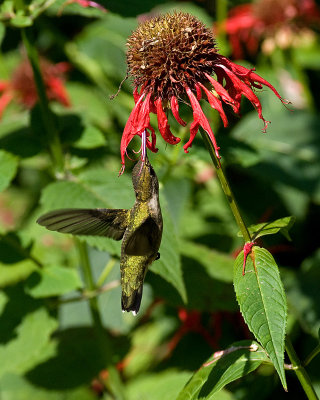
174	58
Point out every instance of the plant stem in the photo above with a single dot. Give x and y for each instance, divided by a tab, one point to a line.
312	355
89	283
47	116
226	188
300	372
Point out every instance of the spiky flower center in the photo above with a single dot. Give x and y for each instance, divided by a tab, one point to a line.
169	52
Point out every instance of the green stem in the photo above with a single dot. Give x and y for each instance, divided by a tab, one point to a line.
108	268
114	383
312	355
300	372
89	283
47	116
226	188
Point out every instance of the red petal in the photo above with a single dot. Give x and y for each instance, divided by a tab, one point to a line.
250	77
216	104
57	91
199	120
199	94
163	125
220	90
241	88
175	111
129	130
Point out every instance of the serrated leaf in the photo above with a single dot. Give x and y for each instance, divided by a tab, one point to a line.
52	281
8	168
26	349
224	367
262	301
281	225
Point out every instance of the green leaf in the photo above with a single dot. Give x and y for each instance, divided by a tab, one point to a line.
12	250
222	368
262	301
52	281
21	21
15	387
30	345
164	385
169	264
91	138
8	168
217	264
14	273
281	225
2	31
302	288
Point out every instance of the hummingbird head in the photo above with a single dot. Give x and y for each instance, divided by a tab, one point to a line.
144	179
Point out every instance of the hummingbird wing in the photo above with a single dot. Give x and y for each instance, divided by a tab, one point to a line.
99	222
145	239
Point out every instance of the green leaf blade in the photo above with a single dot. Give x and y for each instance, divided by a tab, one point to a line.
262	301
53	281
238	360
8	168
281	225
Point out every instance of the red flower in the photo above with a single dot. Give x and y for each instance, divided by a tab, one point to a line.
172	58
22	88
281	22
83	3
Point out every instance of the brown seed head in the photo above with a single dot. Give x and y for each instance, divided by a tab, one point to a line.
170	51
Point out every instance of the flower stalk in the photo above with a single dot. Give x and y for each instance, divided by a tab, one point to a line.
300	371
226	188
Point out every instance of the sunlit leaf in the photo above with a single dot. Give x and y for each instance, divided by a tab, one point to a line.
52	281
262	303
281	225
222	368
8	168
26	349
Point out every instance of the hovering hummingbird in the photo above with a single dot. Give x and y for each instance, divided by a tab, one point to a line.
140	229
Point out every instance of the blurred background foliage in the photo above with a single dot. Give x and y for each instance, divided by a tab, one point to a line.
49	348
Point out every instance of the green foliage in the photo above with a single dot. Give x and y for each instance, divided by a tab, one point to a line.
62	333
8	168
222	368
281	225
262	303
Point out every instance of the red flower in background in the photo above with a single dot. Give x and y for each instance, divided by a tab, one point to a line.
172	59
270	22
22	88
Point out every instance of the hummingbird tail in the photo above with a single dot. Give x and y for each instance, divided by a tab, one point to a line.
133	301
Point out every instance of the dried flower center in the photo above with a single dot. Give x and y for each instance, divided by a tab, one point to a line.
169	52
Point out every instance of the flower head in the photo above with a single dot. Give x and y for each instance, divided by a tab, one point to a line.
270	22
22	88
172	58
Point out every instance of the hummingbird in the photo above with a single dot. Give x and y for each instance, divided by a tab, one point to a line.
139	228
